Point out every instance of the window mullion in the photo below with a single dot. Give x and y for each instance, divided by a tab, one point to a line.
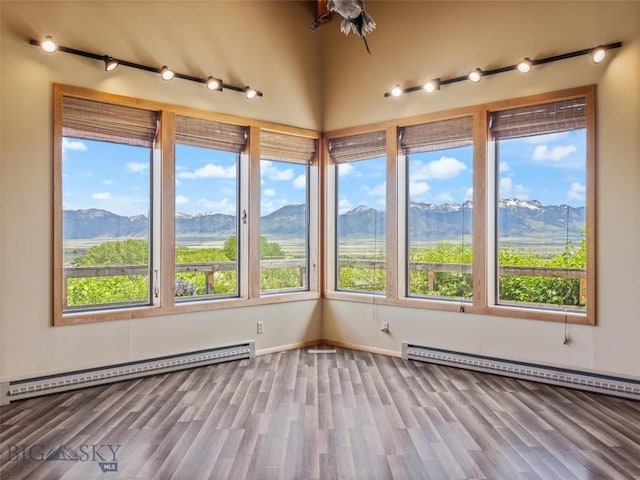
252	228
393	235
163	239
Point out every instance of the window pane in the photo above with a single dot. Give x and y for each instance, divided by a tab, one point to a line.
106	204
206	225
284	226
360	225
541	202
439	224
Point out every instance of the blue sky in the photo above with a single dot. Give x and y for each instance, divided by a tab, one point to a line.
547	168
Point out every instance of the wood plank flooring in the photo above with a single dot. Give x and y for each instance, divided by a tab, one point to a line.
300	415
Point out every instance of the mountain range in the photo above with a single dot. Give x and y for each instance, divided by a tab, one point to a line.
427	222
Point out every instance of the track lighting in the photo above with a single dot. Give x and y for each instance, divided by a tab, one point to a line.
214	84
432	85
597	55
249	92
396	91
48	45
166	73
475	75
525	65
110	63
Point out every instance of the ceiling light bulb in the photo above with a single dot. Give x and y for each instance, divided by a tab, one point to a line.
396	91
110	63
475	75
525	65
48	45
249	93
214	84
166	73
599	54
432	85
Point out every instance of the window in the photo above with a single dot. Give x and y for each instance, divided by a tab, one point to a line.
207	163
107	159
540	203
157	209
489	210
439	186
360	217
284	211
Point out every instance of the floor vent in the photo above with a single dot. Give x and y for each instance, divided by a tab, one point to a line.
621	387
21	389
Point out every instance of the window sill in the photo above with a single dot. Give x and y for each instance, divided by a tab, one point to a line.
95	316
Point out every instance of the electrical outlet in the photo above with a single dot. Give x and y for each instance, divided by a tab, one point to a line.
260	327
384	327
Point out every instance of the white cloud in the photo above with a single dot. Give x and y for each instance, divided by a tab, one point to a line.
445	167
220	206
506	184
69	145
101	196
269	192
209	171
418	188
504	167
375	191
344	205
270	206
469	194
273	173
137	167
108	182
181	200
300	182
577	192
548	138
345	169
555	154
445	197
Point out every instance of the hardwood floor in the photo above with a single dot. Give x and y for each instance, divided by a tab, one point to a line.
300	415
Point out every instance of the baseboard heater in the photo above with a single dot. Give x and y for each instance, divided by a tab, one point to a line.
621	387
21	389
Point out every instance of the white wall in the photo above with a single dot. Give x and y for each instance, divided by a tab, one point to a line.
416	41
320	81
264	44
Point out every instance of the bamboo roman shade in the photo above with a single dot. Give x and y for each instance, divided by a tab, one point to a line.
107	122
287	148
358	147
210	134
441	135
539	119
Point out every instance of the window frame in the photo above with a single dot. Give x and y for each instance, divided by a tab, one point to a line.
163	204
484	268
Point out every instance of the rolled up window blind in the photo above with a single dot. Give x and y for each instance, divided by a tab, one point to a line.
107	122
358	147
440	135
210	134
539	119
287	148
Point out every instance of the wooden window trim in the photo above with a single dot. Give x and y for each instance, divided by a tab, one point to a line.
250	290
481	303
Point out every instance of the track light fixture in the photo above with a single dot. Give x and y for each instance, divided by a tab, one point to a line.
166	73
525	65
475	75
432	85
110	63
249	92
214	84
597	55
48	45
